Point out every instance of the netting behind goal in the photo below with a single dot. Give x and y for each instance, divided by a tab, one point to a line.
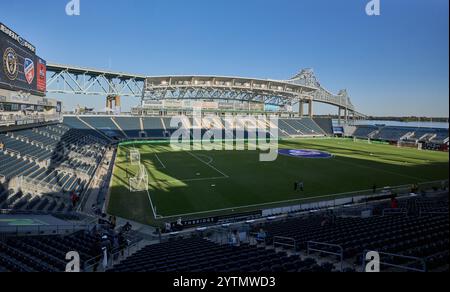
139	183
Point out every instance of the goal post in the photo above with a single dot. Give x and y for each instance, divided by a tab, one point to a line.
134	157
139	183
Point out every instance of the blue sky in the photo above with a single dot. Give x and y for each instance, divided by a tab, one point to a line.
394	64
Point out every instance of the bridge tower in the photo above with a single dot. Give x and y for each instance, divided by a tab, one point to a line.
301	109
113	102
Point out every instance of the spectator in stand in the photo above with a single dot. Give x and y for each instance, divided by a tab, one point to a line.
179	224
74	198
167	227
394	203
261	236
325	221
232	239
114	222
127	227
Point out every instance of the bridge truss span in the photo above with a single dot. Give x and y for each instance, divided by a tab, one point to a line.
300	90
224	88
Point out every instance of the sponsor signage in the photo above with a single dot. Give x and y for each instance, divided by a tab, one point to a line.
20	68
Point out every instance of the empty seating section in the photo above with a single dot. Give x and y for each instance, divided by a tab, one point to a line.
75	123
286	127
422	237
48	157
394	134
130	125
326	124
154	127
364	131
11	166
418	206
45	253
160	127
441	136
300	127
104	124
311	127
422	135
199	255
429	134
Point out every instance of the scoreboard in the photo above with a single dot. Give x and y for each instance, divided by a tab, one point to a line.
20	68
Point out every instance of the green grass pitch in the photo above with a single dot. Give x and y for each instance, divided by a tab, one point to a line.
197	184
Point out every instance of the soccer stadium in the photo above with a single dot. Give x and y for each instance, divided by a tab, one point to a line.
209	173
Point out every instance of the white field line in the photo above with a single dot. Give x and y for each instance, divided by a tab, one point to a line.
152	206
188	180
162	164
355	194
214	168
381	170
211	160
258	205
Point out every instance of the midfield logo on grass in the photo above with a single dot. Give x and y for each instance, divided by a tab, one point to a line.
208	133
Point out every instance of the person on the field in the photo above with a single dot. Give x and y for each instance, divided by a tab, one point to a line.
374	188
301	186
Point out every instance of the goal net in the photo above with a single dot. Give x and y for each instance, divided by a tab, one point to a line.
134	157
139	183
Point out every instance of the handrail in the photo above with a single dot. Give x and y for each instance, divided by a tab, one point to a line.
393	211
12	151
89	264
421	260
31	157
293	245
339	247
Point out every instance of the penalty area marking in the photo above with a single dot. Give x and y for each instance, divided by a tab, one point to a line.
252	206
188	180
153	207
160	162
208	164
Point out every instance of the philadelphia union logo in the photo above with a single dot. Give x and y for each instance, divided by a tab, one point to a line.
10	64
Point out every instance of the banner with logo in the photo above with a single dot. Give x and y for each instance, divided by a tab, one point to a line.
41	75
20	68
